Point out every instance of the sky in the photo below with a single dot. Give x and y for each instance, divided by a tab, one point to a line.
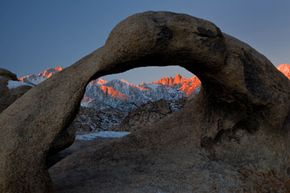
39	34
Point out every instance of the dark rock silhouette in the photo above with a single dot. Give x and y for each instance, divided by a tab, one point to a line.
7	74
241	129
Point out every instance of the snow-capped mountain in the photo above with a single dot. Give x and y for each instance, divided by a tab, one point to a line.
120	94
285	69
123	95
38	78
187	85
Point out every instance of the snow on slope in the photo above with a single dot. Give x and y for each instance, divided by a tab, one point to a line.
101	134
125	96
14	84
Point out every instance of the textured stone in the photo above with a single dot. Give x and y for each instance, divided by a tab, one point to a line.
243	96
8	96
167	157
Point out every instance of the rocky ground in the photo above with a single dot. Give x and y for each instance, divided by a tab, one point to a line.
149	114
92	120
131	164
166	158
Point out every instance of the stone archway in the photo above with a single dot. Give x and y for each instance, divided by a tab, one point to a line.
241	90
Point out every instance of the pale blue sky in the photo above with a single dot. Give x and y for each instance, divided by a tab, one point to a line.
38	34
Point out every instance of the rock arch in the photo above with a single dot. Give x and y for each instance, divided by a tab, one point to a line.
240	89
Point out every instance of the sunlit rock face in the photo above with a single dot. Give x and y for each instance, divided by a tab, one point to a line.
238	132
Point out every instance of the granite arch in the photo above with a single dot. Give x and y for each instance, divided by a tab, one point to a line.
240	88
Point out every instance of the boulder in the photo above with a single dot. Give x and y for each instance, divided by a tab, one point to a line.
9	95
242	94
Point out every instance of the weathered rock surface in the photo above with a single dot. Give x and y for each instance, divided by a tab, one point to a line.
242	125
63	140
10	95
166	157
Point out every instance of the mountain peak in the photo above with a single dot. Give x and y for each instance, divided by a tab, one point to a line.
125	81
285	69
36	79
110	91
169	81
50	71
178	79
98	81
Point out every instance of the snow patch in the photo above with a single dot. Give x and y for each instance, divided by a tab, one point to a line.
152	86
102	134
14	84
197	90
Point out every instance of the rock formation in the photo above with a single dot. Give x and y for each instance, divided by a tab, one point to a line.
243	107
166	157
10	95
7	74
7	95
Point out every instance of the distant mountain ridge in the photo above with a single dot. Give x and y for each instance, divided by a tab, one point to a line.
38	78
101	94
120	94
123	95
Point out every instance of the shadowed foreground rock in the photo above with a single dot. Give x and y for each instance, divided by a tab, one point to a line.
240	132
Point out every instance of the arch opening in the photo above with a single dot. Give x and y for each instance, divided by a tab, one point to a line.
118	104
